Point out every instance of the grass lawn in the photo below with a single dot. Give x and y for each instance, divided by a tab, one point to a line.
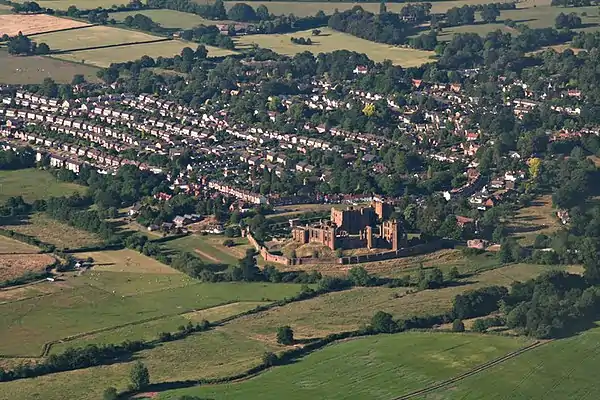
210	248
48	230
34	184
331	40
92	36
381	367
105	57
564	369
168	18
83	308
348	310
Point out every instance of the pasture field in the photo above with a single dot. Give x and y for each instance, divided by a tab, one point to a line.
11	25
563	369
11	246
81	4
537	218
105	57
48	230
210	354
87	304
168	18
210	248
381	367
16	265
92	37
34	184
331	40
351	309
306	8
20	293
4	9
127	261
33	69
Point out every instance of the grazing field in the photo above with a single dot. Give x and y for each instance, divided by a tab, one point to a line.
54	232
34	184
16	265
11	246
127	260
168	18
20	293
351	309
331	40
11	25
381	367
210	248
105	57
92	37
537	218
210	354
305	8
33	69
563	369
87	303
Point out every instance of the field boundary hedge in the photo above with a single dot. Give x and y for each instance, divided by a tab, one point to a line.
73	28
108	46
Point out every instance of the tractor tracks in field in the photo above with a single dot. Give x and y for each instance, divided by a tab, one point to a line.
471	372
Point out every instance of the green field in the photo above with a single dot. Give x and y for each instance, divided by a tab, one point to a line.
91	37
34	184
331	40
33	69
81	4
51	231
210	248
94	301
381	367
105	57
564	369
168	18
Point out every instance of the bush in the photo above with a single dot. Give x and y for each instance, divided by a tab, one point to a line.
458	326
270	359
228	243
285	335
479	326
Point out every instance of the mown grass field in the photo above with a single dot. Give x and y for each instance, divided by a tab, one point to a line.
105	57
98	300
33	69
91	37
34	184
210	354
168	18
54	232
381	367
331	40
563	369
535	219
210	248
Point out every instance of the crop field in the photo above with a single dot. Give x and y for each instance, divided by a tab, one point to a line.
107	56
11	246
16	265
563	369
168	18
94	301
33	69
11	25
54	232
210	248
348	310
34	184
381	367
92	37
330	40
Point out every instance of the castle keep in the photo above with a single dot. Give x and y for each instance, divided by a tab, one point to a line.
368	227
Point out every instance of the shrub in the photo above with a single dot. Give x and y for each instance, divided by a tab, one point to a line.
458	326
285	335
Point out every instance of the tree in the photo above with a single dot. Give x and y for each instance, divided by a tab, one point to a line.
42	49
242	12
479	326
383	322
139	375
269	359
458	326
359	276
218	10
369	109
382	8
78	79
20	44
285	335
110	394
262	12
454	274
228	243
489	13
